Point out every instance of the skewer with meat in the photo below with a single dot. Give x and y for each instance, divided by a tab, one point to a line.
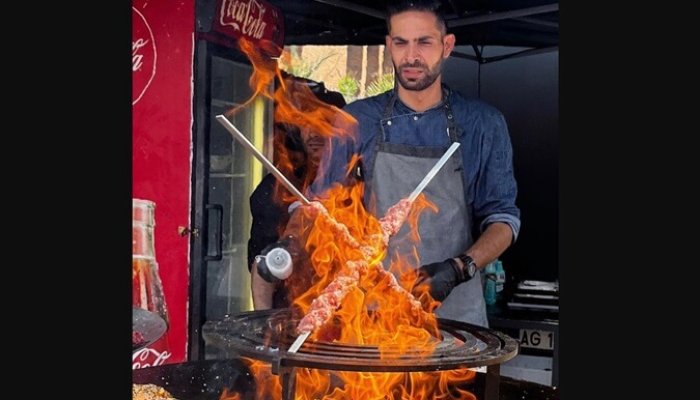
394	218
329	300
390	225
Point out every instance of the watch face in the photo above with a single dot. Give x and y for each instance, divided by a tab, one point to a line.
469	265
471	268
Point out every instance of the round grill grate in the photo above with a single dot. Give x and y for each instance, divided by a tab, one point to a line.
266	335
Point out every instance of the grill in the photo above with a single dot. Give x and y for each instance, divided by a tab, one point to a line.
206	379
266	335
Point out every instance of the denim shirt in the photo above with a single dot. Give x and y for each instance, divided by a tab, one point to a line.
485	145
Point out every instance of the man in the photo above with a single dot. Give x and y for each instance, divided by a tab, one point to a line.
402	133
298	151
268	207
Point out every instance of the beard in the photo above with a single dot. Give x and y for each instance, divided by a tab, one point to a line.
313	145
429	75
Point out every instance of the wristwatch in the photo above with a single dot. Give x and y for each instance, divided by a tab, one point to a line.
469	265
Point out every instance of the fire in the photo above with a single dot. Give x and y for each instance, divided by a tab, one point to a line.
372	313
225	395
295	104
316	384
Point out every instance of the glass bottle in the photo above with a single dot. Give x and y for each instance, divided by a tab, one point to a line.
147	289
500	278
490	289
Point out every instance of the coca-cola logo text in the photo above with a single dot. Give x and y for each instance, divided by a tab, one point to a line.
245	16
140	358
143	56
136	56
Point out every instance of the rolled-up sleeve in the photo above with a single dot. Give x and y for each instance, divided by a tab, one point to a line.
496	188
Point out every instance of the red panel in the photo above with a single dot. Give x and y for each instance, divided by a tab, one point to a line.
162	45
255	20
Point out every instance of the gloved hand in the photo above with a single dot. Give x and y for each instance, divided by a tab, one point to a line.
442	277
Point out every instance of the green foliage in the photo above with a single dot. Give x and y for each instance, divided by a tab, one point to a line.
381	85
348	87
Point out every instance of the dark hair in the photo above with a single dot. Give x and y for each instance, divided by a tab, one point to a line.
293	140
317	88
329	96
431	6
292	137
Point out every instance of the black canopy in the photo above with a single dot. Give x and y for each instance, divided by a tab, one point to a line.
532	24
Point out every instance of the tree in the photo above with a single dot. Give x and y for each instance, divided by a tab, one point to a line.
348	87
381	84
303	68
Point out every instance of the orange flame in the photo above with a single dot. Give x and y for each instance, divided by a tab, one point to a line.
315	384
295	104
225	395
374	312
312	384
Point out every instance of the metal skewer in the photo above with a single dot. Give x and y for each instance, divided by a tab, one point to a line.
270	167
298	342
433	171
431	174
283	179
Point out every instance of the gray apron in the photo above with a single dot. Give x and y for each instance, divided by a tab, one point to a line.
397	170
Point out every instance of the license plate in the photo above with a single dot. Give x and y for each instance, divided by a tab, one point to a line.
534	339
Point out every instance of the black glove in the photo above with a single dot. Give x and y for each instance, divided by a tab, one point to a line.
442	277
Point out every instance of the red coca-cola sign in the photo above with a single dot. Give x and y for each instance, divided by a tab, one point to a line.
153	355
143	55
253	19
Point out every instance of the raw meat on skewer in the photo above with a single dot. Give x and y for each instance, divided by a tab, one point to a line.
390	224
329	300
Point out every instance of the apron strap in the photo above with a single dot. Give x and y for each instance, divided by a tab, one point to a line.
388	110
452	130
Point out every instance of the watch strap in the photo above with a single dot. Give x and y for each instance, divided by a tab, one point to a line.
469	266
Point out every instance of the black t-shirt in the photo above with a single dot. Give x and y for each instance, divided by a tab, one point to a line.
270	217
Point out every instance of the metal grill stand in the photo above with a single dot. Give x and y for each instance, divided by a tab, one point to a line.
266	335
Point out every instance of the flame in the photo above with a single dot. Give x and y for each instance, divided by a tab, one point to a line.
225	395
268	386
312	384
295	105
374	312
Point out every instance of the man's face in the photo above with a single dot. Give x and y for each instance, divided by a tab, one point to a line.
313	144
297	158
418	48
